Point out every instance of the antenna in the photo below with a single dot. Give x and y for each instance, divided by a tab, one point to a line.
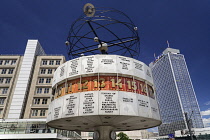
168	44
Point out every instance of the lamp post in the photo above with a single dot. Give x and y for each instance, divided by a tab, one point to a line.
189	124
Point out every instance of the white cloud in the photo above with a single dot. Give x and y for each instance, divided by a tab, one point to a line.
207	103
206	122
206	119
205	113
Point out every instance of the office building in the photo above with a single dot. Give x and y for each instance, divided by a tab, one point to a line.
175	93
25	93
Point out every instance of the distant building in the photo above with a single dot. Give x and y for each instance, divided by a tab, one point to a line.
139	134
25	93
195	131
133	135
175	93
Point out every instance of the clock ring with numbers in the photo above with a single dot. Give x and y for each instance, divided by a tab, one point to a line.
103	90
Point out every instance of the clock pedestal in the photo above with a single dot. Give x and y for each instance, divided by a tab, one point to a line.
104	133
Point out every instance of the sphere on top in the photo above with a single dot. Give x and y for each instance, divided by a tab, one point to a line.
99	26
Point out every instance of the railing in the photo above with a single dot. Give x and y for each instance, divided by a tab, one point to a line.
11	54
33	127
51	55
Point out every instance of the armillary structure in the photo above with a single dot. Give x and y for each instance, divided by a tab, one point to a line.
103	30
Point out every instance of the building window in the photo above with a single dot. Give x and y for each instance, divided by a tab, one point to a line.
41	80
2	101
3	71
49	71
1	61
48	80
1	80
51	62
34	112
4	90
7	80
10	71
43	71
44	101
42	112
44	62
46	90
13	62
6	62
58	62
39	90
1	110
36	101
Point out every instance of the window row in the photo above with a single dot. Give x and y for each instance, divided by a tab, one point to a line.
39	112
47	71
2	101
7	62
1	111
38	101
44	80
41	90
5	80
6	71
3	90
51	62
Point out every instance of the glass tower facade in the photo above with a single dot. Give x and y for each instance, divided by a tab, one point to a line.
175	93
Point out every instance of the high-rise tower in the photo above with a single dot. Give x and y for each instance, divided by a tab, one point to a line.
175	93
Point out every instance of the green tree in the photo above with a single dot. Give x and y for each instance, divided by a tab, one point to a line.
123	136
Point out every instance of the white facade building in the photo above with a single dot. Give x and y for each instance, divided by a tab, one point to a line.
25	93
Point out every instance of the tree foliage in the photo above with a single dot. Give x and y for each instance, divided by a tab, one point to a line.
123	136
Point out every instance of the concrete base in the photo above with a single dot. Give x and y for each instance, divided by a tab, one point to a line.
104	132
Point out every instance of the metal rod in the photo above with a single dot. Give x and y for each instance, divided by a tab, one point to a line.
107	46
94	31
96	44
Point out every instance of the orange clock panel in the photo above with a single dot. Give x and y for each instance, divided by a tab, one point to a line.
95	83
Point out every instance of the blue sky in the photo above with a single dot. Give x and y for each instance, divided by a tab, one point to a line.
185	23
